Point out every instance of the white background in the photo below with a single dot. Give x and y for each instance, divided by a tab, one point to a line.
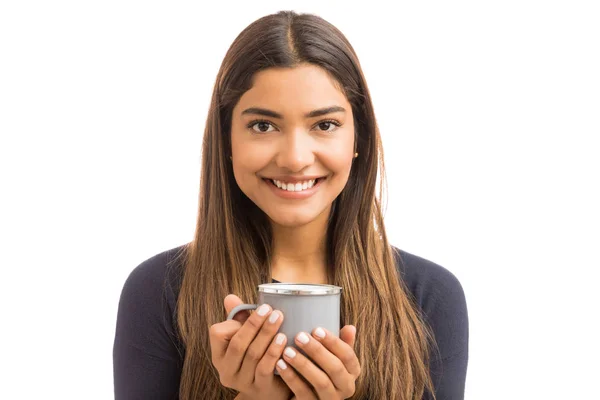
489	112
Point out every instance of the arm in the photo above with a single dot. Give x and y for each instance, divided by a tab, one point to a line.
146	361
449	377
441	298
450	323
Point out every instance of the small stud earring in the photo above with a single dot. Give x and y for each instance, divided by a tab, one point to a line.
355	155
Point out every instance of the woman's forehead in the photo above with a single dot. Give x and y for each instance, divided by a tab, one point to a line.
297	90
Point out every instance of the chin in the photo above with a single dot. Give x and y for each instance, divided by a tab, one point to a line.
292	220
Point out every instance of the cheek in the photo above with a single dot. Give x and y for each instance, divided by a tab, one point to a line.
244	159
339	159
242	171
344	169
250	161
246	165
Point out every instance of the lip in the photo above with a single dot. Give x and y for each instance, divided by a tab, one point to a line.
294	195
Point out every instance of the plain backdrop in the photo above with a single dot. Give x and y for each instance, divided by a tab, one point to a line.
490	117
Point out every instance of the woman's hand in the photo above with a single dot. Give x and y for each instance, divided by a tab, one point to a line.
334	368
246	349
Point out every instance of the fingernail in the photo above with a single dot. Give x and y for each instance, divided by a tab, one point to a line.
290	352
303	338
274	317
263	310
319	332
280	338
281	364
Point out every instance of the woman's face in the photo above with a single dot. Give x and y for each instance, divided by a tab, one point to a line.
292	139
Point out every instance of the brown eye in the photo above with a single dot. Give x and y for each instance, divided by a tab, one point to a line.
327	126
261	127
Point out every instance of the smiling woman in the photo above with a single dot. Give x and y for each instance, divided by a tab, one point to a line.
303	151
290	161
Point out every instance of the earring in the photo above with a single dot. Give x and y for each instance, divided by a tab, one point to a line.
230	158
355	155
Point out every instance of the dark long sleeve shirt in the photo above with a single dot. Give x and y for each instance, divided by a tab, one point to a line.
148	356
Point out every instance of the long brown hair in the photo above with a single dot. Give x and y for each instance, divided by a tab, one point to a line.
232	247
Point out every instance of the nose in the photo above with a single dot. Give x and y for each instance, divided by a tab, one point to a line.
296	151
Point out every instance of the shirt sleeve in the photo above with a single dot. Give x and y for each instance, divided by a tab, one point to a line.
449	377
442	301
147	360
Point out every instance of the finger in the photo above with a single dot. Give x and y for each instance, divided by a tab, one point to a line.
259	346
219	335
266	366
348	335
232	301
240	342
297	385
319	380
339	348
335	369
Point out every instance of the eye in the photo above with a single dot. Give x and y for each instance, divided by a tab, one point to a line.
261	126
328	126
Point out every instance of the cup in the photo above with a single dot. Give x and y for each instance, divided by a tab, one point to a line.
305	306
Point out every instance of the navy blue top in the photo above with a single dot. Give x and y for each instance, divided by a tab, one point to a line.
148	355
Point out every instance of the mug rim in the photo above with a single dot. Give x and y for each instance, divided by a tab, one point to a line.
302	289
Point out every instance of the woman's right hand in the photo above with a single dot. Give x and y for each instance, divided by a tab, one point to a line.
246	349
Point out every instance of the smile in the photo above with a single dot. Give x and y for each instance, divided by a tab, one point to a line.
295	190
295	186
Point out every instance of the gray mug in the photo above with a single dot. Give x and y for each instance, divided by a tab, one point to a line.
305	306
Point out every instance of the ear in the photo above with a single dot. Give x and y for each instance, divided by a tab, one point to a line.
232	301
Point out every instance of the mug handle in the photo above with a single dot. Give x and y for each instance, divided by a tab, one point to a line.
239	308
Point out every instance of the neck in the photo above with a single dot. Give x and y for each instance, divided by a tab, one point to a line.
299	253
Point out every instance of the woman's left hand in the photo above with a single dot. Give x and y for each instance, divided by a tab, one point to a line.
334	368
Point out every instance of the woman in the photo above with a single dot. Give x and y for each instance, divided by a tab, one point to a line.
290	162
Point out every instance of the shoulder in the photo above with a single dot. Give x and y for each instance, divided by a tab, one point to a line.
441	299
426	279
147	306
147	353
157	273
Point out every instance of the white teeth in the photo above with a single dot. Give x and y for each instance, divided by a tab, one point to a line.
294	187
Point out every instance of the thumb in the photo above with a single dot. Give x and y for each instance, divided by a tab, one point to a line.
232	301
348	335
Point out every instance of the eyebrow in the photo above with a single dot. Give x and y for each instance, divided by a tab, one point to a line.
314	113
